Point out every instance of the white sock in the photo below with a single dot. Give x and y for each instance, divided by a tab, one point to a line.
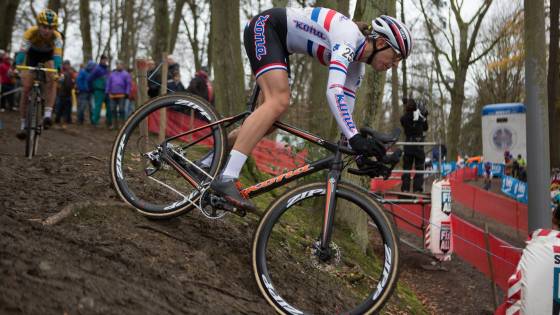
23	124
235	163
48	112
207	161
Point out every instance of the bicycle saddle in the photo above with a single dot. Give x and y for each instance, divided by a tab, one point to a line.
382	137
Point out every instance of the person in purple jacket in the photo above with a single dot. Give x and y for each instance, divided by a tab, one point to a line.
96	81
118	88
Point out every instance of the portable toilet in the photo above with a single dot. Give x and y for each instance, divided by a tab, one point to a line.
503	129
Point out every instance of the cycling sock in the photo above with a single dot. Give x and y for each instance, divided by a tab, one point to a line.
207	160
235	163
22	126
48	112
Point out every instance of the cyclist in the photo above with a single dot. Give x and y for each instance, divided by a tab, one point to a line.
337	42
41	44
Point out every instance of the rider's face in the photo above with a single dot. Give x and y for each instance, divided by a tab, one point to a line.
45	31
386	58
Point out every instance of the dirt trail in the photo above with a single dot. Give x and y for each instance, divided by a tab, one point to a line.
111	260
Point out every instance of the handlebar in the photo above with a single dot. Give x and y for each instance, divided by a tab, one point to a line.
20	67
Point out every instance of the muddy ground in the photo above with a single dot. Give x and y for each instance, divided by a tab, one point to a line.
107	259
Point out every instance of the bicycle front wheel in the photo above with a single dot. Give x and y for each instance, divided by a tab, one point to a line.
141	175
355	274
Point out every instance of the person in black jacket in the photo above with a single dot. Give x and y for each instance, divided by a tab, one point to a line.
415	123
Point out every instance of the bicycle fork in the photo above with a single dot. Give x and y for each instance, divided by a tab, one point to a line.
333	177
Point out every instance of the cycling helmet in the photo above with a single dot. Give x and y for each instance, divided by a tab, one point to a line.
394	32
47	17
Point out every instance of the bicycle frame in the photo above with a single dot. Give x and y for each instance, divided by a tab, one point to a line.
333	163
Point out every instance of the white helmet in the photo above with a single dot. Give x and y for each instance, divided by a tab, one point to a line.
395	32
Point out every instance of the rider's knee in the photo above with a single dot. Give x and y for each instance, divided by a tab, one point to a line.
282	101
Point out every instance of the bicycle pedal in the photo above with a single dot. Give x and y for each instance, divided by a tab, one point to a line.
222	204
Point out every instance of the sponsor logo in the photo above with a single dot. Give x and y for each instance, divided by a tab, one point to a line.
277	179
119	157
343	109
304	195
283	304
446	199
309	29
260	40
194	106
445	236
386	268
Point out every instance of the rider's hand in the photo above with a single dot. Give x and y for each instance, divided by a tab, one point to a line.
367	146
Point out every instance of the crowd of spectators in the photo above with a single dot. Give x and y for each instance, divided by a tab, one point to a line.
95	85
515	166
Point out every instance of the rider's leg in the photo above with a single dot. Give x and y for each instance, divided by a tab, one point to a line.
274	85
50	89
26	81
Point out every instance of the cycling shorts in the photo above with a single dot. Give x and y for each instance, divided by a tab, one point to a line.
34	57
265	41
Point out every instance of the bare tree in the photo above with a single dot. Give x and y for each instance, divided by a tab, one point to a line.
459	56
161	29
174	27
55	5
226	48
8	9
85	29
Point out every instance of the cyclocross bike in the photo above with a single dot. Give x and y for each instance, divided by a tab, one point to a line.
35	107
329	238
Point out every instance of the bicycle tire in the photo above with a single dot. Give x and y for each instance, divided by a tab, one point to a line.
38	125
284	259
157	202
31	121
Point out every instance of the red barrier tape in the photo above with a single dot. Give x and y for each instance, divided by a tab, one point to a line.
503	209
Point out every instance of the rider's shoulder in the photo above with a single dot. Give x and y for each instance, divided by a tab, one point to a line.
30	32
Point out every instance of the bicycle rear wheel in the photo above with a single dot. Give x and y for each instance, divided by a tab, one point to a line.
31	127
356	275
139	173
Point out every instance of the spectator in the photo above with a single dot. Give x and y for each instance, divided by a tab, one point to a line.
200	85
64	95
154	75
7	80
415	123
118	89
555	177
436	152
487	174
84	92
515	168
97	83
175	83
508	161
131	102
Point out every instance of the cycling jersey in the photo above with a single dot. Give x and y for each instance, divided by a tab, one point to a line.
39	49
326	35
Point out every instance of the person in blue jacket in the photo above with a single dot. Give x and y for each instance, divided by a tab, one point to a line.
96	82
84	92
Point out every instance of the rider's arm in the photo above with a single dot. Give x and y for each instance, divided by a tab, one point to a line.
338	72
57	53
25	45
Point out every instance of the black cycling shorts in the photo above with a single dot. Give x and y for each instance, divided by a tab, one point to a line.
35	57
265	41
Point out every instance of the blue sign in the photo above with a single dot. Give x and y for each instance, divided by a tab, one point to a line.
446	169
503	109
498	169
515	189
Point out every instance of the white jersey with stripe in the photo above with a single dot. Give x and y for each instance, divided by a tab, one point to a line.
336	41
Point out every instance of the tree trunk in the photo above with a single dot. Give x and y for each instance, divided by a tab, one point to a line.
9	9
455	115
85	29
127	35
538	150
403	63
161	30
226	47
394	120
54	5
174	29
553	86
279	3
